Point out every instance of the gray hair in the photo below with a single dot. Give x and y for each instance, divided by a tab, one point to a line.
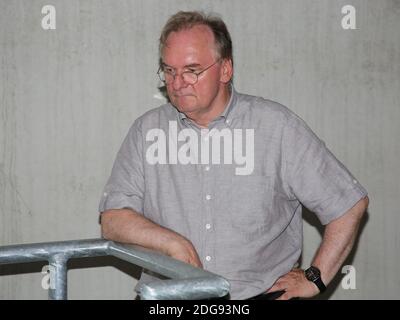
188	19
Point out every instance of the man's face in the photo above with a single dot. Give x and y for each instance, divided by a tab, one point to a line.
193	50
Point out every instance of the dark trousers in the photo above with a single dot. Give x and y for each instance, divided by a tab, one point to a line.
268	296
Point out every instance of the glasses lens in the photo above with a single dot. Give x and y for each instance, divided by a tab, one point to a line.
161	75
189	77
167	77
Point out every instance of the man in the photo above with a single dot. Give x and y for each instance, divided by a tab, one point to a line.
235	212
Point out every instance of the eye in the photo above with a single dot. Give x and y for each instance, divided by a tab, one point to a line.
168	70
192	70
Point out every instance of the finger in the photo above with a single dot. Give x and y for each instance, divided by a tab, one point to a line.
276	287
196	262
285	296
273	288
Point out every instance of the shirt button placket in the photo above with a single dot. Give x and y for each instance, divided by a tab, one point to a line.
208	196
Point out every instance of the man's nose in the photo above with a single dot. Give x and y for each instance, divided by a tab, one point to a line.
178	82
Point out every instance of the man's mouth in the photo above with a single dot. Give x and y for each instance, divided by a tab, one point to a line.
179	95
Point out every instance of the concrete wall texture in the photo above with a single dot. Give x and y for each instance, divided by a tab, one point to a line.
69	95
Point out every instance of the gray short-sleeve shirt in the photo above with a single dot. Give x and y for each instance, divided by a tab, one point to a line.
236	189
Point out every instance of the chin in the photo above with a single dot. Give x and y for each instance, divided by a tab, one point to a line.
185	108
188	106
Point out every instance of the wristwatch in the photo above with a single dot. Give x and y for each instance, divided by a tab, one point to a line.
313	274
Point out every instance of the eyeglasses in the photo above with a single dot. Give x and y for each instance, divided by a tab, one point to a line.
168	74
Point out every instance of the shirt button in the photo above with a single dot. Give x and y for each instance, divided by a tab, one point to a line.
208	258
208	197
105	194
208	226
207	168
206	138
227	121
355	181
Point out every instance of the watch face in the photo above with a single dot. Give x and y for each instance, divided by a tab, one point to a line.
312	274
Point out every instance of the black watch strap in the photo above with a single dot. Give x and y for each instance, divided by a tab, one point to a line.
313	274
321	286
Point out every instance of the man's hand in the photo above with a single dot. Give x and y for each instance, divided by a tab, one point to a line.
336	244
184	251
127	226
295	285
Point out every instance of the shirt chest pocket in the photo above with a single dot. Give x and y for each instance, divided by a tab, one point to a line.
250	202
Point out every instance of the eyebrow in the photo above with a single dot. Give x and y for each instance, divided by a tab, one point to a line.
192	65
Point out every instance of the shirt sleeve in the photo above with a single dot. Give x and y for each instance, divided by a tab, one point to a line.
314	175
125	187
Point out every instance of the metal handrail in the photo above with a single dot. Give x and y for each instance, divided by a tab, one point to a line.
186	281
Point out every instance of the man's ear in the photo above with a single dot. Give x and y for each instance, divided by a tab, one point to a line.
226	71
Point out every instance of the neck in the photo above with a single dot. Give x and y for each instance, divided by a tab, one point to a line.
217	106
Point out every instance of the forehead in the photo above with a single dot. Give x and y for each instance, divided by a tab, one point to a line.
194	45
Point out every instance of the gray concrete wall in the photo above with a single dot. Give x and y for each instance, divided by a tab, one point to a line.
68	97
